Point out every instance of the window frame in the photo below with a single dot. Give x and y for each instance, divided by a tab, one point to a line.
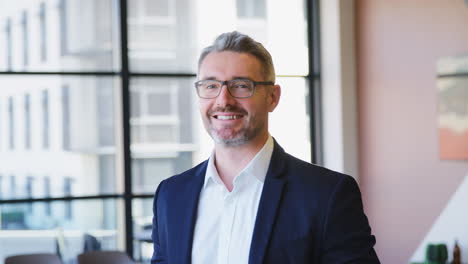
128	196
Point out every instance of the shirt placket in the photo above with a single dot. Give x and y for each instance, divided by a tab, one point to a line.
227	223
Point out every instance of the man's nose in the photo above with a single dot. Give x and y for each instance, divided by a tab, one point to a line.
224	97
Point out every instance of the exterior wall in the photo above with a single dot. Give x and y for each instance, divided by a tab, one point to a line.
405	184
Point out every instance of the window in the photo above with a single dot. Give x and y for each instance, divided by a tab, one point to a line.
25	37
1	187
29	191
251	8
43	31
66	117
11	118
29	186
27	121
155	36
12	187
45	119
67	191
155	105
87	35
1	124
77	114
9	46
47	192
63	27
105	106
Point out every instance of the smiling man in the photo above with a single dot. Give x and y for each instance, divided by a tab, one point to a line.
251	202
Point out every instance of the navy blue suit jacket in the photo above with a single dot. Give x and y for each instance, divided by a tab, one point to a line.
307	214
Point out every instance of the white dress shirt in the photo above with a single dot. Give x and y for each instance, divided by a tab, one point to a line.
225	220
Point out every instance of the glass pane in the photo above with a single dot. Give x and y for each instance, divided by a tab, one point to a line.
163	129
291	117
142	216
59	35
168	142
66	228
171	38
61	140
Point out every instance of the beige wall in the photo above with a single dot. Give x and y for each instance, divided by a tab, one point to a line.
404	183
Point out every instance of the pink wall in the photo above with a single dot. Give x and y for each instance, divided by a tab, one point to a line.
404	183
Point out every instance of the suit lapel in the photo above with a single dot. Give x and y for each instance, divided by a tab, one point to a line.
269	204
185	215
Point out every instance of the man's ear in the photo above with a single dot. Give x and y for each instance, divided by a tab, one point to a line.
274	97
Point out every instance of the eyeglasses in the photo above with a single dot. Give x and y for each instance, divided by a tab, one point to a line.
238	88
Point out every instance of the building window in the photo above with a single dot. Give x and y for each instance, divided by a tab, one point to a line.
66	117
29	191
251	8
1	124
24	26
154	113
1	187
29	187
152	25
107	179
48	206
105	116
67	191
8	40
151	8
43	31
11	119
63	27
45	119
27	121
12	186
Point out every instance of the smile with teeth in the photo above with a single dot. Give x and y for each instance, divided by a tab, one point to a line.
227	117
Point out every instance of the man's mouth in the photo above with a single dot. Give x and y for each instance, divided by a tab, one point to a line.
227	117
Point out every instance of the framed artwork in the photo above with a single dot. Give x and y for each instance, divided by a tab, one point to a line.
452	85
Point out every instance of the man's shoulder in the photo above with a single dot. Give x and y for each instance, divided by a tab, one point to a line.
303	172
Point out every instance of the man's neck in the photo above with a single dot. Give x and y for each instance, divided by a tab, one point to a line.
230	161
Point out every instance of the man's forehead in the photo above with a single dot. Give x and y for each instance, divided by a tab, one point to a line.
234	64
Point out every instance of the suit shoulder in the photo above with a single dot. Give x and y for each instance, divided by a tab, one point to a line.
305	172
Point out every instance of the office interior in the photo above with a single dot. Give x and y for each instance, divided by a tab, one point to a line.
97	106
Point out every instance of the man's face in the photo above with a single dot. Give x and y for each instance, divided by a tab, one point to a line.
236	121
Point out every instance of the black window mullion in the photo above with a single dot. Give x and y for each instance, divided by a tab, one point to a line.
314	103
125	75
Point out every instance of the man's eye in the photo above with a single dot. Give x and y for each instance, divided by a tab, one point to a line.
211	86
241	86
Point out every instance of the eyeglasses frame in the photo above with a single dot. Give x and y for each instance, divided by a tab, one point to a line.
226	83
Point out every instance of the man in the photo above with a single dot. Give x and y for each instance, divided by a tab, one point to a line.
251	202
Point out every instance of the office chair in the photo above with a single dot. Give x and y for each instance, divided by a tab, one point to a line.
104	257
33	259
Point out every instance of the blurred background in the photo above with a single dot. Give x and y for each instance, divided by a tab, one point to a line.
97	106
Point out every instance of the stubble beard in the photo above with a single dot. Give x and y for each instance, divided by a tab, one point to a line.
239	138
251	128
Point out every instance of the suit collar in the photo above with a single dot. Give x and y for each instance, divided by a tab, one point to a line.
187	204
269	204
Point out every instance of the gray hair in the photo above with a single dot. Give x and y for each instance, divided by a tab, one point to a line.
238	42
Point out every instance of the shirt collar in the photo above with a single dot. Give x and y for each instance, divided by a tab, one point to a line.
257	167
